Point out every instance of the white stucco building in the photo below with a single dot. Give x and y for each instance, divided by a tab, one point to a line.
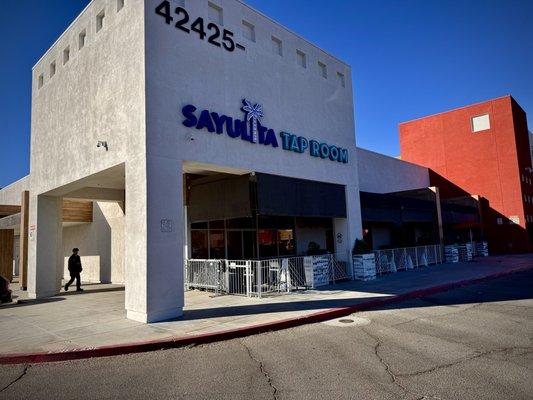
122	74
167	130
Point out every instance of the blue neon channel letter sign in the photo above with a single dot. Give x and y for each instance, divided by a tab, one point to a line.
250	129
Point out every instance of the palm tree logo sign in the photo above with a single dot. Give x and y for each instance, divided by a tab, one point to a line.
255	114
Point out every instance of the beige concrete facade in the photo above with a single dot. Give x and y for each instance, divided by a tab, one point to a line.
12	194
97	95
379	173
107	127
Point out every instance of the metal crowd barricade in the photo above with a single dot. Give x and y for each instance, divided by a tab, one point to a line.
203	274
400	259
281	275
263	277
385	262
278	275
295	278
340	269
392	260
239	277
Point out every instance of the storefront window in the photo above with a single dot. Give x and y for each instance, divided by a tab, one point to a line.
267	243
216	244
234	240
199	249
234	245
249	240
286	242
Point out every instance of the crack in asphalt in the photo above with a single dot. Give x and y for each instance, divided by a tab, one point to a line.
382	361
510	361
262	370
477	354
24	371
394	377
436	336
437	316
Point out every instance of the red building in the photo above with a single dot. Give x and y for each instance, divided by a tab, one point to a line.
482	149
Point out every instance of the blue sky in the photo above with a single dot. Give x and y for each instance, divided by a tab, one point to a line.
409	58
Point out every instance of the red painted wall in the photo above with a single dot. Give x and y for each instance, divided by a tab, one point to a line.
488	163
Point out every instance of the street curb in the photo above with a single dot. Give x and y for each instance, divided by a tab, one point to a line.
175	342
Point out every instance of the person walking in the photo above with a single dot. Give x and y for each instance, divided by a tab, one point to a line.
74	267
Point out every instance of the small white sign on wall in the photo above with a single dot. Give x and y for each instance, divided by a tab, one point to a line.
166	225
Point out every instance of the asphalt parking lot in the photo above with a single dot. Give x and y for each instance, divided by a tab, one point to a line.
470	343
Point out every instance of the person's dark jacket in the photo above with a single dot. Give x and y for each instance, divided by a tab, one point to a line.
74	264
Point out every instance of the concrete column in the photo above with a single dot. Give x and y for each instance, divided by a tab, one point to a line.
45	258
346	230
23	259
154	274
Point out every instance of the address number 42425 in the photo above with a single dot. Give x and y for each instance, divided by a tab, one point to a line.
212	31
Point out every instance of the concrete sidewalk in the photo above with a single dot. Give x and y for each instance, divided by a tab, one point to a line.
96	317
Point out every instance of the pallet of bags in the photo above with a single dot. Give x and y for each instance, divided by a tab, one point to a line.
451	254
364	267
482	249
465	252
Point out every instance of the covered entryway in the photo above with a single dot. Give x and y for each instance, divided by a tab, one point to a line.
88	214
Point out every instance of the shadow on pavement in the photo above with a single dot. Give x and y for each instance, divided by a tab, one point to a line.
73	292
30	302
500	289
59	297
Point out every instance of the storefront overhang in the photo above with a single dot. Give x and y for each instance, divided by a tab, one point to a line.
219	197
228	197
278	195
461	212
396	209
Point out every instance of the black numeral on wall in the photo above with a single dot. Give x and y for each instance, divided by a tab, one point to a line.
227	40
184	20
213	38
163	10
197	26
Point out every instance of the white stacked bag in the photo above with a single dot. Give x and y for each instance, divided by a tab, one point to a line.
482	249
451	254
364	267
316	271
465	252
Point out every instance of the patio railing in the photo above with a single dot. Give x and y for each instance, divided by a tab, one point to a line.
393	260
263	277
281	275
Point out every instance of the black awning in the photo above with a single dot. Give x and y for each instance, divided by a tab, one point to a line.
397	209
225	198
277	195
